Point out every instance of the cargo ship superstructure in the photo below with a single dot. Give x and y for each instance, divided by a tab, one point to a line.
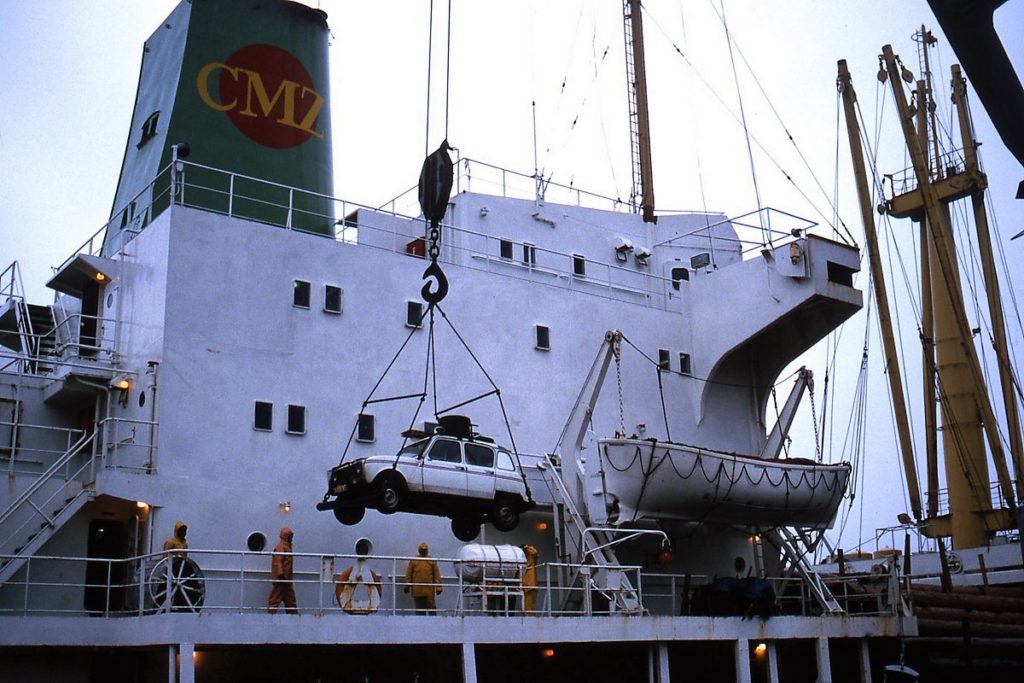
209	354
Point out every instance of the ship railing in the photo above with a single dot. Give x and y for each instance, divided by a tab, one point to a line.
40	501
947	165
28	448
129	445
239	582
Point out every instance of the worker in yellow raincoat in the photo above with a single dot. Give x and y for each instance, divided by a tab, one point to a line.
177	540
423	580
530	579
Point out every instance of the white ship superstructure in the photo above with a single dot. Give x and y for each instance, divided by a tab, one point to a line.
207	357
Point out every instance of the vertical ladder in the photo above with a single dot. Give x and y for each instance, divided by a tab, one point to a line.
634	116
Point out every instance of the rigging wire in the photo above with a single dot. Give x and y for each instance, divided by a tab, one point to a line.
764	150
765	233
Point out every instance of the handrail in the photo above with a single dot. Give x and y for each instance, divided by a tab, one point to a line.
57	465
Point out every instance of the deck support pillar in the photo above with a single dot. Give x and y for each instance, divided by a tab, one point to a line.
823	660
773	662
468	663
865	662
657	657
742	653
186	663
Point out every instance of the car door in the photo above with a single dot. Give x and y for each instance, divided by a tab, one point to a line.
479	470
443	469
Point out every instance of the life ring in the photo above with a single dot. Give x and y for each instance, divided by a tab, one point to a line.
354	593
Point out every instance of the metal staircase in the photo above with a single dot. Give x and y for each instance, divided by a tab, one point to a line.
35	515
789	543
590	549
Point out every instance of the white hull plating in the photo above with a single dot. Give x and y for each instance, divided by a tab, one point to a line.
649	478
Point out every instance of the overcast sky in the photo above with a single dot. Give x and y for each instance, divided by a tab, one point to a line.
69	70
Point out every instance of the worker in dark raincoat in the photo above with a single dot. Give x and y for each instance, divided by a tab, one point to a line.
282	566
423	580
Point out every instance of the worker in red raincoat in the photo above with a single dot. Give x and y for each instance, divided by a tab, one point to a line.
281	571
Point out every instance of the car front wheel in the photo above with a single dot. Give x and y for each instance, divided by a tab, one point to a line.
505	517
389	497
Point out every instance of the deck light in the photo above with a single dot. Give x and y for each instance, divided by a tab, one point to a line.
285	506
100	277
541	526
548	653
121	382
760	650
143	507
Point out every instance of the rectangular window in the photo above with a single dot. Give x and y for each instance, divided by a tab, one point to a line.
579	266
296	419
506	249
529	254
678	275
366	428
479	455
263	416
332	299
543	338
663	359
413	314
300	294
684	363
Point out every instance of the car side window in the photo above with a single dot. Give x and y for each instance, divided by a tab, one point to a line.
479	455
414	450
446	451
505	461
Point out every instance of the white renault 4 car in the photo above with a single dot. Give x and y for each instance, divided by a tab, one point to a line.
453	473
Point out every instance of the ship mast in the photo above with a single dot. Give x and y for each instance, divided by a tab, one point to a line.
951	364
639	122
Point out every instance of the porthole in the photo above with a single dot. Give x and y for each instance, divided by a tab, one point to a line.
110	300
256	542
142	398
740	564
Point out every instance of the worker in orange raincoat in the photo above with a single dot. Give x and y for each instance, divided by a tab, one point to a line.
530	579
281	572
423	580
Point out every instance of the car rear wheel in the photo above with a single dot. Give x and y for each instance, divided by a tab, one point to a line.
349	516
465	529
505	517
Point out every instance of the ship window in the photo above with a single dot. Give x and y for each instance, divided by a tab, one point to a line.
841	275
529	254
149	129
296	419
332	299
445	451
506	249
678	275
413	314
366	428
300	294
505	461
480	456
684	363
543	338
663	359
579	266
256	542
263	416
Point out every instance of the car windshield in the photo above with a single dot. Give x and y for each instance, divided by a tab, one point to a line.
414	450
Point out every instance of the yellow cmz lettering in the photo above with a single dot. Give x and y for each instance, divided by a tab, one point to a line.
258	101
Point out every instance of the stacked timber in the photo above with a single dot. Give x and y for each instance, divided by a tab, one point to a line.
969	628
